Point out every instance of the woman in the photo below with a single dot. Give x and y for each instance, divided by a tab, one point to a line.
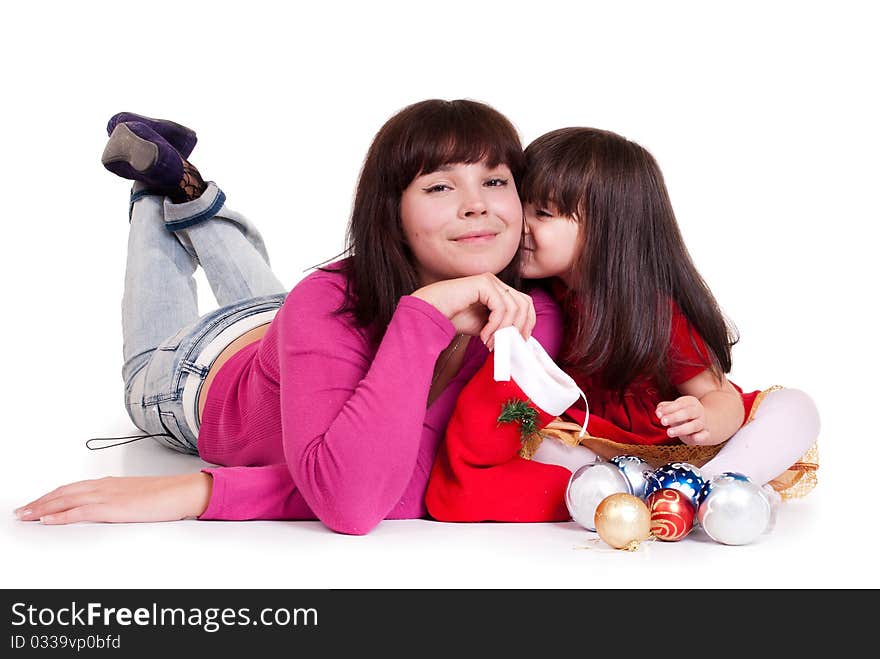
333	407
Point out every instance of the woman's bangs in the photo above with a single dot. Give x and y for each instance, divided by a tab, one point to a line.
469	142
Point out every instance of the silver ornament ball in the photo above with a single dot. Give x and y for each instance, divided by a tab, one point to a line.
635	470
735	512
588	486
710	484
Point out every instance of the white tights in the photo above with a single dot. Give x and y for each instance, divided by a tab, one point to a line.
785	426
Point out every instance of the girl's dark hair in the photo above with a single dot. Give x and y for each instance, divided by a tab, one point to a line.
417	140
632	261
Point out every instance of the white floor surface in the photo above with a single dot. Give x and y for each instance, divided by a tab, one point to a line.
823	540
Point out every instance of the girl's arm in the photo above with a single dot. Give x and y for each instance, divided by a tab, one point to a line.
709	411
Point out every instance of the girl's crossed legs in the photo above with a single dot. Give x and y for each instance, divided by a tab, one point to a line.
785	426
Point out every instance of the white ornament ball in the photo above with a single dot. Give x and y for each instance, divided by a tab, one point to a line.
588	486
735	512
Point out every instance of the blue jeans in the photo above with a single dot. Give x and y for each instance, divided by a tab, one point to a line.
161	327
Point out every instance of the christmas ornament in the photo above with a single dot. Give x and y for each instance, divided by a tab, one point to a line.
735	512
588	486
672	514
680	476
623	521
710	484
635	470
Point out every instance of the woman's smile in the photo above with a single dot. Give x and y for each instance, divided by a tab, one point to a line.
476	237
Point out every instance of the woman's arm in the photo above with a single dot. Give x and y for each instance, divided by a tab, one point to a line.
270	493
125	499
352	421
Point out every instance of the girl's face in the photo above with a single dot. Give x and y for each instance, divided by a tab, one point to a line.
550	245
461	220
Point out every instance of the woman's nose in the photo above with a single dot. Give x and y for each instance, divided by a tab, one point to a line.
473	206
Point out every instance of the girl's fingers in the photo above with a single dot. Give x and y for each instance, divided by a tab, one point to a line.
688	428
674	418
701	437
697	439
670	406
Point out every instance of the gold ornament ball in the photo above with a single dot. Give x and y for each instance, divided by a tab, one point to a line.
623	520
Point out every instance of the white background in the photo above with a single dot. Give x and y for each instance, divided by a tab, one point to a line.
763	117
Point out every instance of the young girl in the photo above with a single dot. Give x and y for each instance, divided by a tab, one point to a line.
644	340
328	402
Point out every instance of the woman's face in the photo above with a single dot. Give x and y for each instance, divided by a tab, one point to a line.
461	220
550	245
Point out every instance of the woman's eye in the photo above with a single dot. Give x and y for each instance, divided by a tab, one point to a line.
440	187
542	213
496	182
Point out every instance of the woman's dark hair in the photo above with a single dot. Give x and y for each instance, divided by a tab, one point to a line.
632	261
417	140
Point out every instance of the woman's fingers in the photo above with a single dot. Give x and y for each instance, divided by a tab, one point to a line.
497	314
524	313
514	309
86	513
63	498
505	306
64	491
60	504
123	499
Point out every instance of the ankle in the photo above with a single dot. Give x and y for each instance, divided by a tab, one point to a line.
191	185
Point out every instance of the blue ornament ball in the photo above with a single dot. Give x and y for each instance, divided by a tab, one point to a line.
681	476
712	483
635	470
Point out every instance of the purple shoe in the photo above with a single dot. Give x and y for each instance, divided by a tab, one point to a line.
180	137
137	152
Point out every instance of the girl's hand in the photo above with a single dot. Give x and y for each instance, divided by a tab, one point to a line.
481	304
686	420
123	499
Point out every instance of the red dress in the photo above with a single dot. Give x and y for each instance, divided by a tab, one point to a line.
632	419
479	474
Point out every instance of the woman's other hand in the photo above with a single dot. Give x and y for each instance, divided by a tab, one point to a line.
481	304
123	499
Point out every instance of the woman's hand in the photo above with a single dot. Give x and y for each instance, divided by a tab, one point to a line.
481	304
123	499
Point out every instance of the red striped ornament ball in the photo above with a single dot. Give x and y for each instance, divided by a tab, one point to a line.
672	514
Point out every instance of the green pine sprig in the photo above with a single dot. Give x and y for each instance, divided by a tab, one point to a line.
519	411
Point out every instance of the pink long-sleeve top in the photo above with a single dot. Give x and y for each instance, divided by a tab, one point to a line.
315	422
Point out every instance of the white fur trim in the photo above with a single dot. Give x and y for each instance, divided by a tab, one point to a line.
545	384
